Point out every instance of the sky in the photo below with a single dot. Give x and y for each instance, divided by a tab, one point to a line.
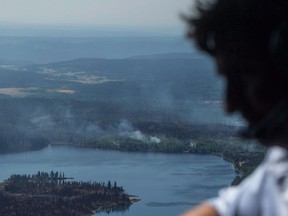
94	12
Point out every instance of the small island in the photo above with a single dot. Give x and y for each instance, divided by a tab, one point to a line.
54	194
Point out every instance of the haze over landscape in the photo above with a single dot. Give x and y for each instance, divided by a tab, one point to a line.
66	16
90	88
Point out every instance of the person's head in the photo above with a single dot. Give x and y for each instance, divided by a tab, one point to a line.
249	41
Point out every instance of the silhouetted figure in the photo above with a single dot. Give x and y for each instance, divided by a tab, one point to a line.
249	41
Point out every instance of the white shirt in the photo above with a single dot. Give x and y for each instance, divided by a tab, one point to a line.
264	193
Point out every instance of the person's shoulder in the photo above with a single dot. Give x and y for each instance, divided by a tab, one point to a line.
276	154
276	163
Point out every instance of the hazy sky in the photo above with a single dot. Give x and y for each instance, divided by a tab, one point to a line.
94	12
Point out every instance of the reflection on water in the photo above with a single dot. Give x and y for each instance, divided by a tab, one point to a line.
168	204
167	184
120	208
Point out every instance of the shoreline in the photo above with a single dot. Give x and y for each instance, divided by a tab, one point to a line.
243	161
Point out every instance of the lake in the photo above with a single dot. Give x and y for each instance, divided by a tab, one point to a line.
167	184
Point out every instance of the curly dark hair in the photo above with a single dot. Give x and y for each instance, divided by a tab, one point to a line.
244	22
249	37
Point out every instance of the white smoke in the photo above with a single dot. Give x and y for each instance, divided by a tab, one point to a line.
155	139
124	127
138	135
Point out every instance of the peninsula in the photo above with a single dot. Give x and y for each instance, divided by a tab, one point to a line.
54	194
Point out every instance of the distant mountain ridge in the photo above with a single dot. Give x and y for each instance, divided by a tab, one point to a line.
52	49
14	62
172	55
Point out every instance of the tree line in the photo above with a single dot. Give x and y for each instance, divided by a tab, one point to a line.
53	194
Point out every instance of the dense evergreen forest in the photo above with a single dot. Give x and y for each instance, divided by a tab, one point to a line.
89	99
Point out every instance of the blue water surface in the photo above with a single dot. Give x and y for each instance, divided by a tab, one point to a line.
167	184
